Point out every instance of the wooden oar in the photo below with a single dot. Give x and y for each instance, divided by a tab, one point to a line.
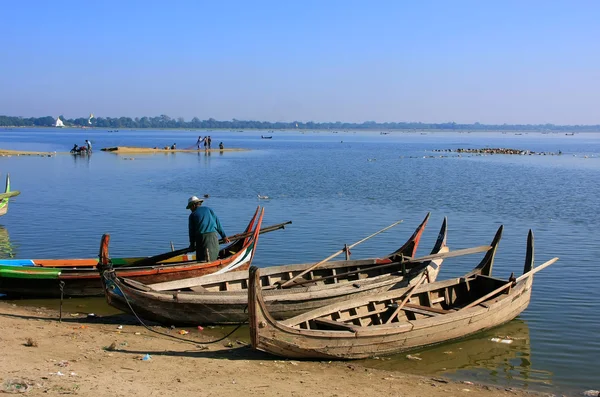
285	284
448	254
9	194
441	255
505	286
265	229
410	293
168	255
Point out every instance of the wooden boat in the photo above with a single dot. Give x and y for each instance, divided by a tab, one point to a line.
397	320
4	197
86	262
78	263
222	299
54	282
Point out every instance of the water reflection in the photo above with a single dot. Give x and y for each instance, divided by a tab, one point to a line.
82	158
497	362
7	249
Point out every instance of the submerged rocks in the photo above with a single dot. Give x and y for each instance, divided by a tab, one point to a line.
487	150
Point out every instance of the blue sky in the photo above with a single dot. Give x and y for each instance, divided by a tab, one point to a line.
432	61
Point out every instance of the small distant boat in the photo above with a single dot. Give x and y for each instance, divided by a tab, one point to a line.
572	133
4	197
59	123
266	137
261	197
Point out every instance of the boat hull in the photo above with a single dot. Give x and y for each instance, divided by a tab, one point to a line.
395	321
223	299
56	282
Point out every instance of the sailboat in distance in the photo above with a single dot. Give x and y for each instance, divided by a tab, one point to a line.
59	123
90	119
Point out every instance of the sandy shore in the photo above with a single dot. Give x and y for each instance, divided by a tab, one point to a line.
7	152
91	357
147	150
118	150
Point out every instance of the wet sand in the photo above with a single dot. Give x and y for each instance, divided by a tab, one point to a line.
7	152
146	150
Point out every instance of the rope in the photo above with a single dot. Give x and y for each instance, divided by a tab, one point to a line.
61	285
173	336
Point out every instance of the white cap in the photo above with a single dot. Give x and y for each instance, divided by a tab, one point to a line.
193	200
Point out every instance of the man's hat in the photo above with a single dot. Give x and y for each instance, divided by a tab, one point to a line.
192	200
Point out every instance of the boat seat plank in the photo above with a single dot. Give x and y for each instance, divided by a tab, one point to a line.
438	300
335	324
198	288
428	309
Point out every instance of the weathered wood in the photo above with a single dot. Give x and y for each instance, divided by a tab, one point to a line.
510	284
220	306
426	308
407	297
310	335
335	324
337	253
426	258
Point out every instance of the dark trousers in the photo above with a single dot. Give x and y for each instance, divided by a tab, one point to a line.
207	247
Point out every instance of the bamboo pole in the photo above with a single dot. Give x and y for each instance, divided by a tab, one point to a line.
285	284
412	290
505	286
441	255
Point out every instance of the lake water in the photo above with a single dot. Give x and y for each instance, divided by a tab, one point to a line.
338	188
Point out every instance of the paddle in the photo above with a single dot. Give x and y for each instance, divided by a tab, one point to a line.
505	286
336	254
168	255
412	290
265	229
441	255
9	194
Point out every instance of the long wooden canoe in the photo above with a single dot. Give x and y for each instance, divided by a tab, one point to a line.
222	299
47	282
79	263
85	262
387	323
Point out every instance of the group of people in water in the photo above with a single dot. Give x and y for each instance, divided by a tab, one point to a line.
206	142
85	149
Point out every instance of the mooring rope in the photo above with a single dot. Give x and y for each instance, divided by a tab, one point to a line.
173	336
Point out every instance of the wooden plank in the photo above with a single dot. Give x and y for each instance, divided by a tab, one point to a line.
335	324
420	311
510	284
336	254
438	300
428	308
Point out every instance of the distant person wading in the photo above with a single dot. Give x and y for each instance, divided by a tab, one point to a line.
204	230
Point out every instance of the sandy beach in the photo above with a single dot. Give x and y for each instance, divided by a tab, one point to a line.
119	150
147	150
8	152
105	356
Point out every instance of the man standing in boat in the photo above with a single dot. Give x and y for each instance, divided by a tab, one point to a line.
204	230
89	146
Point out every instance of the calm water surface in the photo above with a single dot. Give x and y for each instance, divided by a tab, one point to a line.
338	188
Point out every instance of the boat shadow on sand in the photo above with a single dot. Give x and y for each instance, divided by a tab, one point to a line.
118	319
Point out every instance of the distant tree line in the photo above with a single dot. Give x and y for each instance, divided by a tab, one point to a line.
164	121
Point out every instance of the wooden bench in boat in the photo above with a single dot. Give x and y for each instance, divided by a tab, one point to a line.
335	324
426	310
